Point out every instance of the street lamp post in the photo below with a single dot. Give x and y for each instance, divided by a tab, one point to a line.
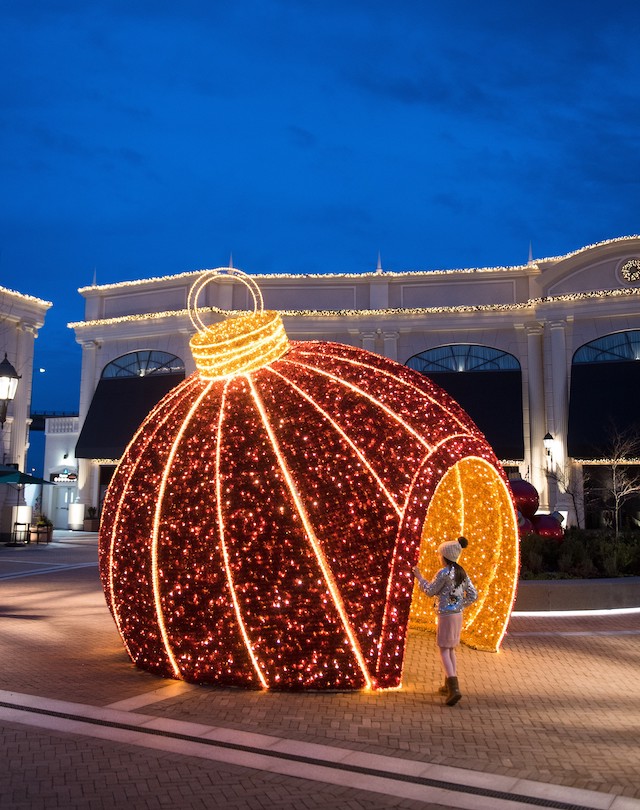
8	385
551	491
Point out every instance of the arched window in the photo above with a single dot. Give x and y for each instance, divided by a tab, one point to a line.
463	357
487	383
603	395
616	348
143	364
129	387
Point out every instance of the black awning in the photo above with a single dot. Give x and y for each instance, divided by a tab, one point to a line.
493	399
604	397
117	409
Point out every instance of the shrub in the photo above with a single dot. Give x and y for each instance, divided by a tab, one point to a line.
583	554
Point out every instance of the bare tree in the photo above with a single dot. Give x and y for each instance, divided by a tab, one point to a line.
621	480
570	482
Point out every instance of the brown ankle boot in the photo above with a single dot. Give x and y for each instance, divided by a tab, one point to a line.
444	688
453	692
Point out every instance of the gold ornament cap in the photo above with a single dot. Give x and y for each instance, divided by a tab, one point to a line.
239	344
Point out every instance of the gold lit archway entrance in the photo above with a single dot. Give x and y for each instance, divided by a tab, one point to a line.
472	500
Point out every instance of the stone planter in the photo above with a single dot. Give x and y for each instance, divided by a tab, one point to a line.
40	534
91	524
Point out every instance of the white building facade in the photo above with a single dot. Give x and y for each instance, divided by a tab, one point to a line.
525	324
60	465
21	317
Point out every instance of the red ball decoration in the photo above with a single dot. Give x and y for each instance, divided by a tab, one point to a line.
525	526
261	527
547	526
526	497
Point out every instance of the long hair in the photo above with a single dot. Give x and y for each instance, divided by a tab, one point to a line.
459	574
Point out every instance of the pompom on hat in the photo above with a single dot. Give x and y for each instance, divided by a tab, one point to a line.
452	549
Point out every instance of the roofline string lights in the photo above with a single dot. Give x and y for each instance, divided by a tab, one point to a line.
372	273
260	528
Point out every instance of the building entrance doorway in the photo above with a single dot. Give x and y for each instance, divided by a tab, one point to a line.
63	496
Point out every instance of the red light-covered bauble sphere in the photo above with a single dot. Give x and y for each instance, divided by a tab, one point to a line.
261	527
526	497
547	526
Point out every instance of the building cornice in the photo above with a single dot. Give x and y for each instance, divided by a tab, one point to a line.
531	304
26	299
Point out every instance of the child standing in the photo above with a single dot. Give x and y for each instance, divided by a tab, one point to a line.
454	591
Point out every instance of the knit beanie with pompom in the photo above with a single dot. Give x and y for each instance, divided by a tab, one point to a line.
452	549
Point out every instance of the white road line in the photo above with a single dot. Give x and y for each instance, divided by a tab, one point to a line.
27	561
590	633
564	614
53	570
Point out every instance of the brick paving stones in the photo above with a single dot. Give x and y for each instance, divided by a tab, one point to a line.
44	771
559	704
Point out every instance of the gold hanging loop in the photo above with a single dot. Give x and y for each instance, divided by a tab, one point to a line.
213	275
241	343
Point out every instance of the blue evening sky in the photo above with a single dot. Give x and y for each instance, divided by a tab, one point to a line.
149	137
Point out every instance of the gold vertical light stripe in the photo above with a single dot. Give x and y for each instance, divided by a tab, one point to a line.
511	518
148	436
461	492
398	379
342	433
313	540
225	553
156	528
362	393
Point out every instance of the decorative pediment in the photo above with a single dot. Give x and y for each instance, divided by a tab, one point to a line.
610	265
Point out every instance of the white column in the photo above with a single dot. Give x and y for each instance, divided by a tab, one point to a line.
537	416
25	335
560	481
368	340
88	380
86	469
391	344
559	380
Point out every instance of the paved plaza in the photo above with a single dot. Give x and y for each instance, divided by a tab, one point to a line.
553	720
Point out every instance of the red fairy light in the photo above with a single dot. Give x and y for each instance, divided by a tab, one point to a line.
262	524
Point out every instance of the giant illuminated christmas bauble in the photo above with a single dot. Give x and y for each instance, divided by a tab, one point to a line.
261	527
